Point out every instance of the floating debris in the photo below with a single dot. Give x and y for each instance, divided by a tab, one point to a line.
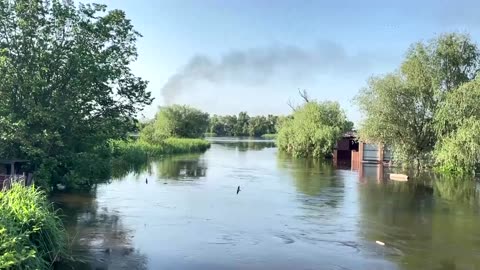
380	243
398	177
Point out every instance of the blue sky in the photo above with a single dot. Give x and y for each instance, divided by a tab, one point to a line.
254	55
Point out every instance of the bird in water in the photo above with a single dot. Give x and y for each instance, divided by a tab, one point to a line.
146	180
238	189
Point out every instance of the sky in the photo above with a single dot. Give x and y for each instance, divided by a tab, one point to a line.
228	56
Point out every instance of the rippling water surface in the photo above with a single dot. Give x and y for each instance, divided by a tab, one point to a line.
289	214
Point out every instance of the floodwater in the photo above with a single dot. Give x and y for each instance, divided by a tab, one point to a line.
289	214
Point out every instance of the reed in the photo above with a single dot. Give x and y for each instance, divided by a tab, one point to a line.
31	234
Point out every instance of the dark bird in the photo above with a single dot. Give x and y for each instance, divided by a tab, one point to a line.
238	189
146	180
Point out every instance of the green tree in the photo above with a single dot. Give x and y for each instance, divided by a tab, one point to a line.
230	125
399	108
180	121
458	105
257	126
398	115
216	125
460	151
457	123
313	130
271	124
66	84
241	126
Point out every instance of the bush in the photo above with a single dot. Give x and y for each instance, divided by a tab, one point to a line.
31	235
313	130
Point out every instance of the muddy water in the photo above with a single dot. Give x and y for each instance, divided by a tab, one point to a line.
289	214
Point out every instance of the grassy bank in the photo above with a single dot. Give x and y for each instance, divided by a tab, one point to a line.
31	235
210	134
269	136
139	149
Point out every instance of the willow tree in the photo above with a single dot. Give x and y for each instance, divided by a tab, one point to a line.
399	108
457	122
66	85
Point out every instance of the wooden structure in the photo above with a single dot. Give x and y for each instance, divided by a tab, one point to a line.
350	153
345	148
11	171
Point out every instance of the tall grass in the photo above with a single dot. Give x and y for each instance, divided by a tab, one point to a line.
31	235
134	150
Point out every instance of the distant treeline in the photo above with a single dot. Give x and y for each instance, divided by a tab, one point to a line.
183	121
243	125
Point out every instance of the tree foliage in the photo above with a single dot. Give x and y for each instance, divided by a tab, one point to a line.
407	109
460	151
243	125
66	84
313	129
176	121
458	124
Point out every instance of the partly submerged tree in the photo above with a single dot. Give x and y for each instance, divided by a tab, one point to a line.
398	115
457	123
460	151
400	108
66	85
312	130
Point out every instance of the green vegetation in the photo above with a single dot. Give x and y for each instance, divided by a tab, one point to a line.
132	150
67	86
31	236
175	121
313	129
243	125
428	110
270	136
175	130
134	155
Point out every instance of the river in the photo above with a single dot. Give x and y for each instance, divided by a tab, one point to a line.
289	214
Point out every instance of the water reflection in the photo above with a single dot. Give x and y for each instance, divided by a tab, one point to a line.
121	168
310	175
181	167
422	231
98	237
460	189
243	144
290	214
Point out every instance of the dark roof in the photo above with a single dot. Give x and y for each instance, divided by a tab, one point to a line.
350	134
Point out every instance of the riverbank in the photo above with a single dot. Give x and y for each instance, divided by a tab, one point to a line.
270	136
31	234
133	149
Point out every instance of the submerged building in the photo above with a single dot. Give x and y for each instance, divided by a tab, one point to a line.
350	152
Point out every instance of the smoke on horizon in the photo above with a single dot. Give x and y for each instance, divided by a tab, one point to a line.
257	66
